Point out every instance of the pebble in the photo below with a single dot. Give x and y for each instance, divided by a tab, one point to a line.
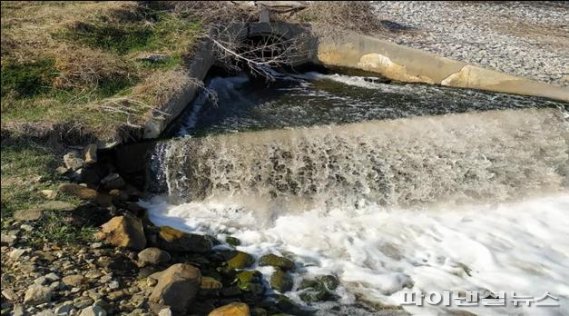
64	309
82	302
37	294
485	34
93	311
73	280
18	252
113	285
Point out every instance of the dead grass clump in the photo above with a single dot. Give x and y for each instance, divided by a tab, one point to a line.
329	17
214	12
84	68
161	86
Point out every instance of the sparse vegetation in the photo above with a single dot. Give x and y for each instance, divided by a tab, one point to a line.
27	169
98	68
69	61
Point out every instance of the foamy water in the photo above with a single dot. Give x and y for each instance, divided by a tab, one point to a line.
379	254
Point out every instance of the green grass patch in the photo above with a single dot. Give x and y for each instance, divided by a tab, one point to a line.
120	39
163	31
28	79
27	167
52	228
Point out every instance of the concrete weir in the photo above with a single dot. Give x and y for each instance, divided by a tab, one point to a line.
356	51
412	65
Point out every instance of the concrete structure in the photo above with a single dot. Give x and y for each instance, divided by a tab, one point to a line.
412	65
353	51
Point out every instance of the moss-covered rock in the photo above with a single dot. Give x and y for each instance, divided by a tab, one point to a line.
232	241
172	239
250	281
276	261
281	281
319	289
240	260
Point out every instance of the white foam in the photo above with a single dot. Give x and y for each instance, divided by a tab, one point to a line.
521	247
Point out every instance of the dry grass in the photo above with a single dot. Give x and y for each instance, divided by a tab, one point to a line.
331	17
78	63
69	62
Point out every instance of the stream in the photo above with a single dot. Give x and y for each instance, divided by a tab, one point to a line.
393	188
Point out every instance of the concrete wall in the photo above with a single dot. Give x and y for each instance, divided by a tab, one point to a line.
412	65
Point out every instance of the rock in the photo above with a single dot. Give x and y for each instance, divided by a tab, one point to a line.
232	241
8	238
119	195
88	175
152	256
64	309
258	311
52	277
18	252
18	310
113	181
72	160
276	261
95	310
26	227
83	302
61	170
209	283
177	287
281	281
91	154
250	281
113	285
28	215
93	274
79	191
57	206
116	295
240	260
165	312
37	294
123	231
49	194
153	58
233	309
319	289
172	239
96	245
9	294
136	209
73	280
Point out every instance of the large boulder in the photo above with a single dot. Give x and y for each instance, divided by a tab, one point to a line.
177	287
123	231
172	239
233	309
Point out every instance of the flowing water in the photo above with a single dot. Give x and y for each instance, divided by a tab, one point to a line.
391	187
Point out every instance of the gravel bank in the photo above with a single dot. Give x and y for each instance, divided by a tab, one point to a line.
527	39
